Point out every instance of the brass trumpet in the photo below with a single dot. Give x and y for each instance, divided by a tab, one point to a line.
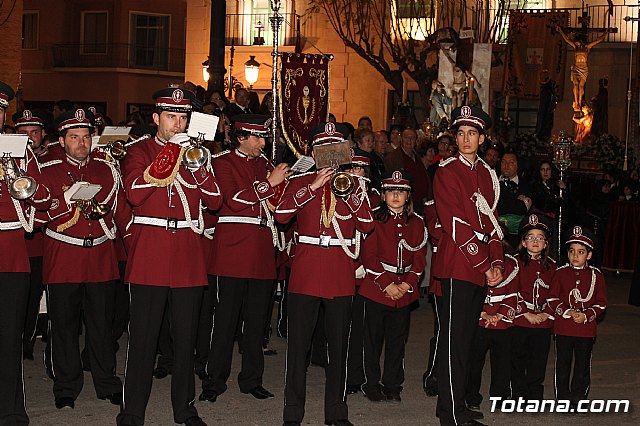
196	155
20	185
91	209
116	149
342	184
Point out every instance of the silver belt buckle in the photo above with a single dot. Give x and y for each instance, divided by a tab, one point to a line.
263	222
172	224
399	270
324	241
87	242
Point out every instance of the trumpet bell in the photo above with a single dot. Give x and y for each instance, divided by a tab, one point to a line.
342	184
195	157
117	150
22	187
98	211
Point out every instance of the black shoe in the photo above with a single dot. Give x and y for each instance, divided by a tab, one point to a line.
472	422
208	395
392	396
374	395
351	389
472	406
260	393
160	372
195	421
343	422
475	415
269	352
291	424
65	401
114	398
431	392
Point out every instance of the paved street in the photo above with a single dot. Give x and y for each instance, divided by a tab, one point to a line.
615	375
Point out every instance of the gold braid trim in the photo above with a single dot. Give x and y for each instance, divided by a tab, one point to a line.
169	179
328	216
68	224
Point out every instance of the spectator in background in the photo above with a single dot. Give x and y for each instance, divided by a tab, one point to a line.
396	135
266	106
365	123
241	105
218	98
443	141
515	197
545	190
254	102
60	107
381	145
492	156
364	141
426	152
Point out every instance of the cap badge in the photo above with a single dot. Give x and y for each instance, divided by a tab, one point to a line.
27	115
330	128
533	220
577	231
93	110
465	111
80	114
396	176
177	96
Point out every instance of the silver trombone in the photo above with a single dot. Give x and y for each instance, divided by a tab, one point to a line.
196	155
19	184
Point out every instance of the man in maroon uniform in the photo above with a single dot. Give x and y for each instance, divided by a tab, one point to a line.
322	274
80	264
32	123
14	277
166	256
466	193
246	269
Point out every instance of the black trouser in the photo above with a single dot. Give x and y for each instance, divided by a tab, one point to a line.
355	361
267	323
147	307
430	376
282	306
237	298
66	303
576	350
529	355
33	304
14	289
318	354
121	310
205	325
498	343
165	340
388	326
461	305
304	309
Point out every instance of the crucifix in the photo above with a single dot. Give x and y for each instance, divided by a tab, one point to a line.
577	39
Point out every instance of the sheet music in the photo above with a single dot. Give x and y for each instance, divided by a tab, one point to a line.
205	124
85	191
14	145
303	164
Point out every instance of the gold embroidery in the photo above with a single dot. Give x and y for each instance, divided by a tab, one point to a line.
327	216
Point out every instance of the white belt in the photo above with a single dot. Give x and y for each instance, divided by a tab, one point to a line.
169	223
490	300
86	242
10	226
532	306
260	221
324	241
396	269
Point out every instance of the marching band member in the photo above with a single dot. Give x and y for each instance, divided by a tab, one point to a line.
466	192
32	124
532	325
245	263
394	256
80	263
166	259
322	274
14	272
577	299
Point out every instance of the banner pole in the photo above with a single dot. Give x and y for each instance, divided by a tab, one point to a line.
276	22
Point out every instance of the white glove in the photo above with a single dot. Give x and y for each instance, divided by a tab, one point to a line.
181	139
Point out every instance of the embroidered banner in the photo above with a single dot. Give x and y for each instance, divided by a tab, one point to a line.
533	46
304	97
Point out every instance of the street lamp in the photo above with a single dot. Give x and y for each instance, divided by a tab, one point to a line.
251	71
562	159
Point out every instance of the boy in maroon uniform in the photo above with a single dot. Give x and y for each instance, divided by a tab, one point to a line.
578	298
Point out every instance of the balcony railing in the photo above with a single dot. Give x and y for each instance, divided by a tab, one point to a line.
116	55
241	29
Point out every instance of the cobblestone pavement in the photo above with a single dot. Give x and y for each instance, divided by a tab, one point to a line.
615	375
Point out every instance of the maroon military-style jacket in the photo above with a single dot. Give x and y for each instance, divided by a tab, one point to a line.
319	271
14	214
534	286
244	250
435	233
387	259
470	244
503	298
77	249
35	238
169	255
580	289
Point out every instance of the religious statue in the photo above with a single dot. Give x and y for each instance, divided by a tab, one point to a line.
546	106
580	69
439	101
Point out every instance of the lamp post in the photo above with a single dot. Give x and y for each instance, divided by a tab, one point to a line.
562	159
251	71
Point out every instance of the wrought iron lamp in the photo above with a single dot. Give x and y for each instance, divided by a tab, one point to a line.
251	71
562	159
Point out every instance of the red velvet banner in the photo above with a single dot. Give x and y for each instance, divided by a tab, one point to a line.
304	97
533	46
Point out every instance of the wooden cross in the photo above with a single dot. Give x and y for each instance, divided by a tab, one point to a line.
584	29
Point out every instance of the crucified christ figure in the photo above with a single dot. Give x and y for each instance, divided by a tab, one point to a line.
580	70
